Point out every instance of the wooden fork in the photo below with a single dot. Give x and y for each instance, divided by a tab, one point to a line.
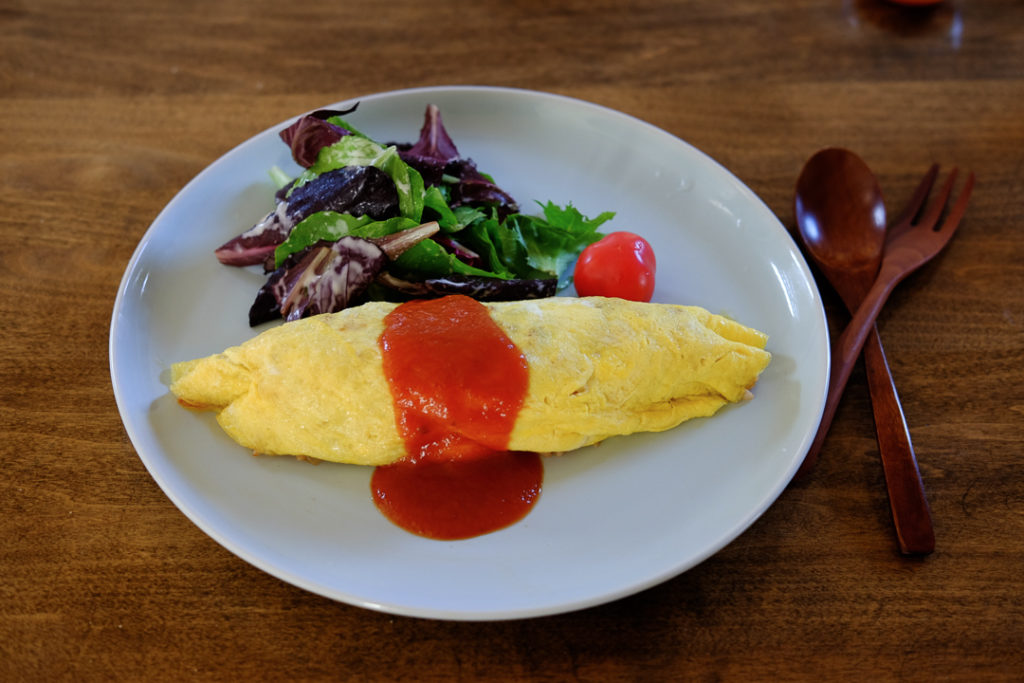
912	244
911	514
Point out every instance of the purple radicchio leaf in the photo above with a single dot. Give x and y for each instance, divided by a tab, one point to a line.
312	132
477	287
432	153
257	243
474	188
308	136
325	277
329	276
435	156
355	190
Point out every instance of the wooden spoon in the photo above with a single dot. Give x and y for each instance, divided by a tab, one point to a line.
841	220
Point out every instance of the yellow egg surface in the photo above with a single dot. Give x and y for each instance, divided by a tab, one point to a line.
598	367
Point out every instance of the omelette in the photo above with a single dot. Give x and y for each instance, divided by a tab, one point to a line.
598	368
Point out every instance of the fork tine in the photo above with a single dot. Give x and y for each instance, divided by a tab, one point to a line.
931	215
959	208
917	200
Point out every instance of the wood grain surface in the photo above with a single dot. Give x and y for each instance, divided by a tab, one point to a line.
107	109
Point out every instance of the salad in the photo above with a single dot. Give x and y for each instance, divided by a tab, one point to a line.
369	220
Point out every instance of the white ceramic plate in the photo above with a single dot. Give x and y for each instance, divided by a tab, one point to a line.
612	520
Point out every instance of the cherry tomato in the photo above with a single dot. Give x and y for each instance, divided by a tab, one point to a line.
620	264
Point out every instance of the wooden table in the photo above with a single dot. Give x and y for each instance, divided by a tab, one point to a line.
107	109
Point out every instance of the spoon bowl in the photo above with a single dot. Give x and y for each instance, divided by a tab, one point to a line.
840	216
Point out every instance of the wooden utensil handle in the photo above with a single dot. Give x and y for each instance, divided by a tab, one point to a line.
844	355
910	512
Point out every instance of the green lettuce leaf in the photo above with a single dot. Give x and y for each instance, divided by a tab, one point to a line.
341	122
450	220
351	150
554	242
535	246
332	226
279	177
504	248
429	259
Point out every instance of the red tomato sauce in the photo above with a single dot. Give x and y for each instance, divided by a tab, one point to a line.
458	383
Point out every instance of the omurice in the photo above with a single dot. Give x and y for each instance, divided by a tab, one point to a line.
595	368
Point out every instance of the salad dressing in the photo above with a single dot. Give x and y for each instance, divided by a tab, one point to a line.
457	382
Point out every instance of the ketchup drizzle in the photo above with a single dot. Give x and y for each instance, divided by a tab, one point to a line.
457	382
